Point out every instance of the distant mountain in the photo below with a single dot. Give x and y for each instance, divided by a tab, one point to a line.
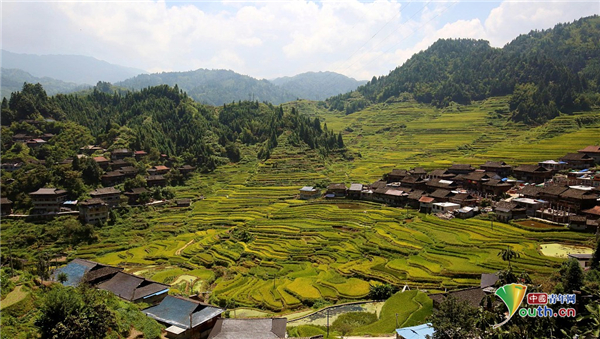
547	72
13	79
214	87
317	85
70	68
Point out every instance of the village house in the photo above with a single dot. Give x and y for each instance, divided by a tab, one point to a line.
476	179
418	172
11	166
576	199
440	174
442	195
118	164
414	182
138	155
121	153
460	169
582	258
269	328
437	183
185	318
443	207
158	170
531	206
532	173
47	200
338	190
93	211
21	137
156	180
309	192
466	212
5	206
135	289
553	165
413	198
426	204
112	178
90	149
186	169
355	190
183	202
135	194
465	199
592	151
129	172
81	270
506	211
499	167
396	175
102	162
578	160
551	193
110	195
496	187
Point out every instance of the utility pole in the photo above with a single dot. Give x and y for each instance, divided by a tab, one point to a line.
327	323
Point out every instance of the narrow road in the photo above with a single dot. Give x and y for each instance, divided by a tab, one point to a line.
178	252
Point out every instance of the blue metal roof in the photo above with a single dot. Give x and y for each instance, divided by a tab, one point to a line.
177	311
416	332
75	272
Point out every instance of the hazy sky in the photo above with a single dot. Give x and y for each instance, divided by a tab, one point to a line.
267	39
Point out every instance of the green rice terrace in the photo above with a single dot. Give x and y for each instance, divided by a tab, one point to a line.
248	243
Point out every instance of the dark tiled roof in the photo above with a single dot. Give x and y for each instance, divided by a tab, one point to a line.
472	295
496	182
131	287
93	201
399	172
416	195
531	169
5	201
113	174
106	190
531	191
505	206
488	279
553	190
378	184
336	187
155	177
440	172
249	328
463	167
49	191
176	311
137	190
441	193
576	157
418	171
496	164
579	194
101	273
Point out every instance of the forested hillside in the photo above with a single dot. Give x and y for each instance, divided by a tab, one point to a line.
317	85
548	72
213	87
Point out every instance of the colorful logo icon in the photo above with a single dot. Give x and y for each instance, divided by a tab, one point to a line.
512	295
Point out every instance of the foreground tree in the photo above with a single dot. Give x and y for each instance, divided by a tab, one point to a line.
454	319
69	313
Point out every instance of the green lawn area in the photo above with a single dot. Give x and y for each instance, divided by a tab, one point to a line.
16	295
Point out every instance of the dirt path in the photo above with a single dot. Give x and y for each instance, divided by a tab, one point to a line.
178	252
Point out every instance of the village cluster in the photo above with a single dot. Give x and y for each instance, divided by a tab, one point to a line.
566	191
49	201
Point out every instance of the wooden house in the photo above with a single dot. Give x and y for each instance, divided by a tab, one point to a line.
47	200
500	167
592	151
338	190
532	173
93	211
578	160
110	195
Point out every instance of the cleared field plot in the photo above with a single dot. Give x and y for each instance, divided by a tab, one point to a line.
561	251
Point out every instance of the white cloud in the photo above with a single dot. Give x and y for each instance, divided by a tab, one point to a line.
266	39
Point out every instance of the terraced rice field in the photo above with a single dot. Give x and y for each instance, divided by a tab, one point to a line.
306	252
